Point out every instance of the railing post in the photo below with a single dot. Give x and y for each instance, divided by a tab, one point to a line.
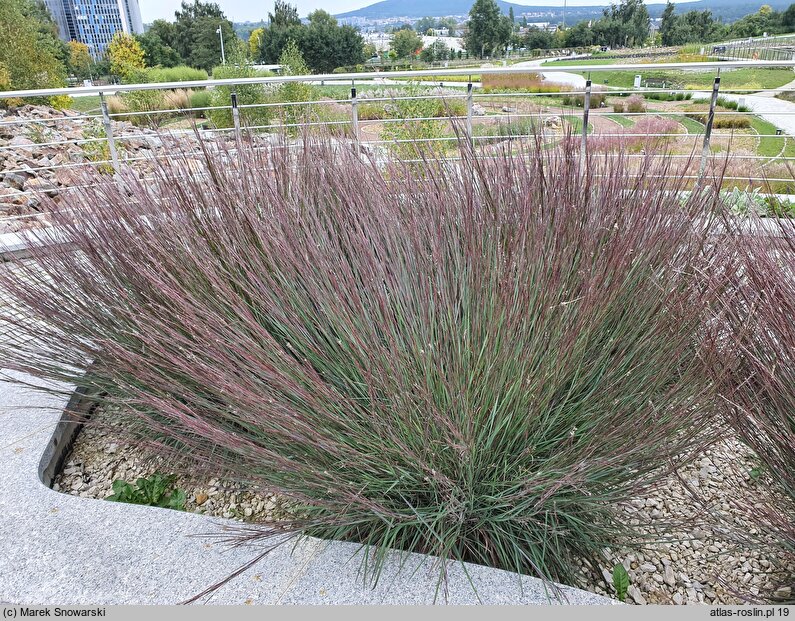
114	156
708	129
585	113
355	118
470	104
236	117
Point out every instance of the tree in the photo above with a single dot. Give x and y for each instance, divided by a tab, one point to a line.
197	40
165	31
158	53
255	43
537	39
406	43
326	45
788	19
511	16
283	25
668	23
126	56
579	35
450	23
425	24
79	60
489	31
48	33
27	60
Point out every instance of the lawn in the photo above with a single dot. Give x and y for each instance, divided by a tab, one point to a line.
755	79
621	120
90	103
443	78
771	146
691	125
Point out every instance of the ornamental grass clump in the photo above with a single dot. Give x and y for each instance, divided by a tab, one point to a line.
476	362
760	389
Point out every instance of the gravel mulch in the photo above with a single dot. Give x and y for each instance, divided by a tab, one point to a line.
702	547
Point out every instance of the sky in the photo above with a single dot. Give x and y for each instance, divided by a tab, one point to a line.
255	10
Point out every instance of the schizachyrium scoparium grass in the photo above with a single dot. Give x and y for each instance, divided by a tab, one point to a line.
476	360
758	345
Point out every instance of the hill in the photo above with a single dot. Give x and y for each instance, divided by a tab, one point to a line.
728	10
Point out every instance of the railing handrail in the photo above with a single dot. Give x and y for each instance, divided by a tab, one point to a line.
109	89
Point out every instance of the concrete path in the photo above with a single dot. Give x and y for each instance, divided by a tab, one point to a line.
779	112
573	80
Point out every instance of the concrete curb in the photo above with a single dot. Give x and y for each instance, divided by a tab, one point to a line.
72	550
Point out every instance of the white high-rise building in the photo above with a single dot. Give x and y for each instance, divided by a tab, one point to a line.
94	22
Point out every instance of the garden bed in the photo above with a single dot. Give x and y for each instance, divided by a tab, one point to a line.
696	553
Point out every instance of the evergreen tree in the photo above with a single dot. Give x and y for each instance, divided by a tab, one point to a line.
197	40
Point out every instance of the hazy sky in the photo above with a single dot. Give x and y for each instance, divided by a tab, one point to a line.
254	10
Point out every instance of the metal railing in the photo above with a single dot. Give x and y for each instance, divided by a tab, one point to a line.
380	112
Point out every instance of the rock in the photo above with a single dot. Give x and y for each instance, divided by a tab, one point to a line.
555	122
634	592
668	576
22	143
678	599
201	498
37	184
15	179
784	592
648	568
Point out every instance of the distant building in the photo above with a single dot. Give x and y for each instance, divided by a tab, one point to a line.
94	22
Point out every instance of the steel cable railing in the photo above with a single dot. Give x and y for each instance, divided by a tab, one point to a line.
393	119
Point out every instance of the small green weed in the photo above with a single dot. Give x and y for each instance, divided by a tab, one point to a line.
157	490
620	582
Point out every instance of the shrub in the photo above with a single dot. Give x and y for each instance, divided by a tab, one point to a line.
148	101
418	138
578	101
636	104
247	94
720	121
180	73
618	106
668	96
731	104
478	362
61	102
200	99
292	116
731	122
